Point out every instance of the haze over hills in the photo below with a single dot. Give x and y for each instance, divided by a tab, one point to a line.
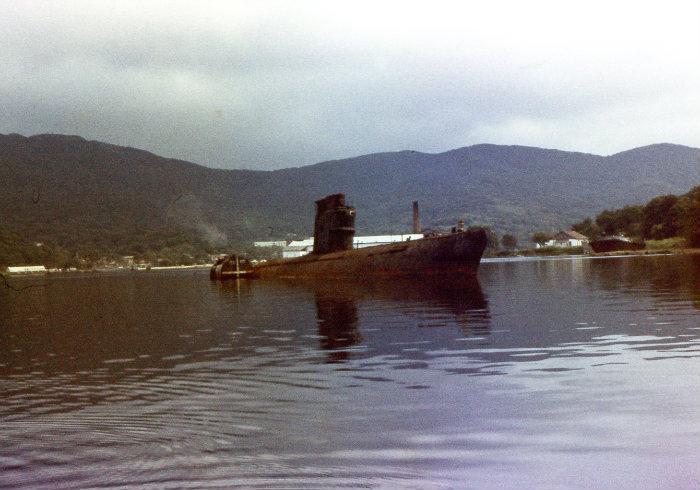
64	189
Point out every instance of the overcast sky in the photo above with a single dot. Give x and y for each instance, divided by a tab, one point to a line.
269	85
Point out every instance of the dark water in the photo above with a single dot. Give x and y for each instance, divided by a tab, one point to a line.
580	373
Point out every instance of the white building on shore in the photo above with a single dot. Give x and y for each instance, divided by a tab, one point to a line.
566	239
299	248
26	269
273	243
371	241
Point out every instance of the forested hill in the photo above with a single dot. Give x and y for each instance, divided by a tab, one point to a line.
67	190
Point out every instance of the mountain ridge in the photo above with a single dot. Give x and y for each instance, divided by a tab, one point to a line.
78	138
109	190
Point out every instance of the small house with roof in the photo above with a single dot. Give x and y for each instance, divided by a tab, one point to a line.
565	239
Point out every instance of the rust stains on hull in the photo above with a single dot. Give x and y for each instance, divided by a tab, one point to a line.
453	253
333	256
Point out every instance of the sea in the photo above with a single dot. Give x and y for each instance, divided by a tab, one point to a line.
574	372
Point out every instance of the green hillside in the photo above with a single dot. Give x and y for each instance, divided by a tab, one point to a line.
92	198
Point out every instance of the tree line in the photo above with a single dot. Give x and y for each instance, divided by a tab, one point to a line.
88	247
662	217
72	245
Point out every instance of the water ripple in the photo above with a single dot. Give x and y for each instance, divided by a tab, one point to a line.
179	382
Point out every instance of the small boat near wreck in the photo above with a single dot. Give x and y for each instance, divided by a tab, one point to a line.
333	255
615	243
230	267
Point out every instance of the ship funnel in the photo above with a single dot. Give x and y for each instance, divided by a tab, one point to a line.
416	218
334	226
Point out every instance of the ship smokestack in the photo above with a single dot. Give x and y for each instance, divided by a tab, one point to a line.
416	218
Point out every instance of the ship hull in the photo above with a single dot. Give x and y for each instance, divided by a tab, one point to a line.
458	253
614	245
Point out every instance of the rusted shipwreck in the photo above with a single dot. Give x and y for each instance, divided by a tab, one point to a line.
333	255
615	244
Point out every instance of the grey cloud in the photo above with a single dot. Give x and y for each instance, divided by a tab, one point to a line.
276	94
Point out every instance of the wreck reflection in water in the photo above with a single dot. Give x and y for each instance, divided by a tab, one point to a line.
337	325
337	307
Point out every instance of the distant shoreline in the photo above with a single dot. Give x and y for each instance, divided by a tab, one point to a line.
614	253
592	255
99	271
649	251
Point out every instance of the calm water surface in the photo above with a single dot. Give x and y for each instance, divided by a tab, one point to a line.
547	373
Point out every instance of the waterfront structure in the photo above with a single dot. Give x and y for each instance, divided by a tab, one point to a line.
26	269
272	243
371	241
300	248
567	239
416	218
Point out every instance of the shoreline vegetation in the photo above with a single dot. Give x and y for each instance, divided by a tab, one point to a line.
69	202
667	221
667	224
649	251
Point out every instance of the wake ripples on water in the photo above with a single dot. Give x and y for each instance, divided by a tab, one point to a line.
264	384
